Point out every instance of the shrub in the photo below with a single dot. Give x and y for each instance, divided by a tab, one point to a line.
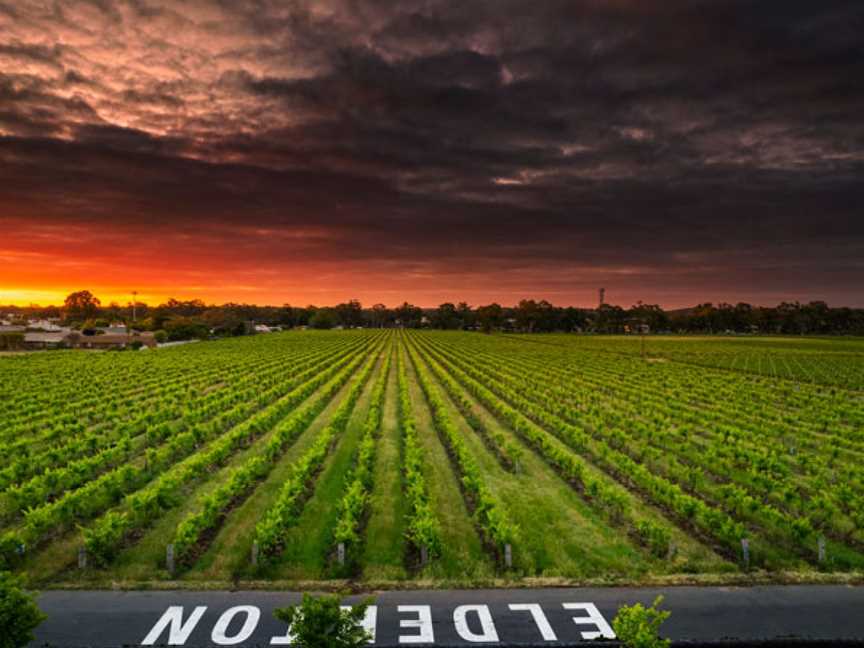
655	537
11	341
322	623
324	318
639	627
184	328
104	538
19	615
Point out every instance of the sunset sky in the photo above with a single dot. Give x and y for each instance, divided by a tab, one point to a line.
312	152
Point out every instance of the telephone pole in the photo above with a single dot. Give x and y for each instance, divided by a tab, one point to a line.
642	339
134	304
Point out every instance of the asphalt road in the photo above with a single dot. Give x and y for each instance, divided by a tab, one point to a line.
541	616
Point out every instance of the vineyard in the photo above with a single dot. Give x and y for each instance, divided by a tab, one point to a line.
391	455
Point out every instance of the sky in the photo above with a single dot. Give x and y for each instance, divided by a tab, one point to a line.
310	152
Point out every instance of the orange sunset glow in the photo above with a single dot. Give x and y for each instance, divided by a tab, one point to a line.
323	151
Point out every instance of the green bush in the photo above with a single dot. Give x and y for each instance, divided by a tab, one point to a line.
11	341
639	627
324	318
657	538
322	623
19	615
104	538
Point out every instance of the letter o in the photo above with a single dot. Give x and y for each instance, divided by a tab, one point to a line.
253	614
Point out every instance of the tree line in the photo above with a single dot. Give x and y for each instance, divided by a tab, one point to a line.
194	318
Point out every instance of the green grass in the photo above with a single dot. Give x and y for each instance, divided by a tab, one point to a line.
384	547
308	548
565	537
146	557
231	550
774	392
463	553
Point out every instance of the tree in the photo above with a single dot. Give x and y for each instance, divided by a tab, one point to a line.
446	317
547	317
527	313
324	318
744	318
286	316
380	315
303	315
185	308
409	315
573	319
466	317
489	317
113	312
650	314
609	319
92	326
223	321
81	305
184	328
19	614
322	623
49	312
349	314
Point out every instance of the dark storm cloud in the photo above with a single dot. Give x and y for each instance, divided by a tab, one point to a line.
704	143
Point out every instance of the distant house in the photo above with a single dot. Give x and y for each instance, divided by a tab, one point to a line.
75	340
10	328
110	340
114	329
45	340
45	325
637	328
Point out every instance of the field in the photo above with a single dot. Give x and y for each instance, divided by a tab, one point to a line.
392	457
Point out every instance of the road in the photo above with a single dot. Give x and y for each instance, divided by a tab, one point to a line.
453	617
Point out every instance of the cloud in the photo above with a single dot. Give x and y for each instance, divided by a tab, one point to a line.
663	147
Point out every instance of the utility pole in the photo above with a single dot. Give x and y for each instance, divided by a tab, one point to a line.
134	304
642	338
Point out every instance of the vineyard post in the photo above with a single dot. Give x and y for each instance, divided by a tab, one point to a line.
745	550
424	556
821	548
340	552
82	557
255	554
508	555
169	558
